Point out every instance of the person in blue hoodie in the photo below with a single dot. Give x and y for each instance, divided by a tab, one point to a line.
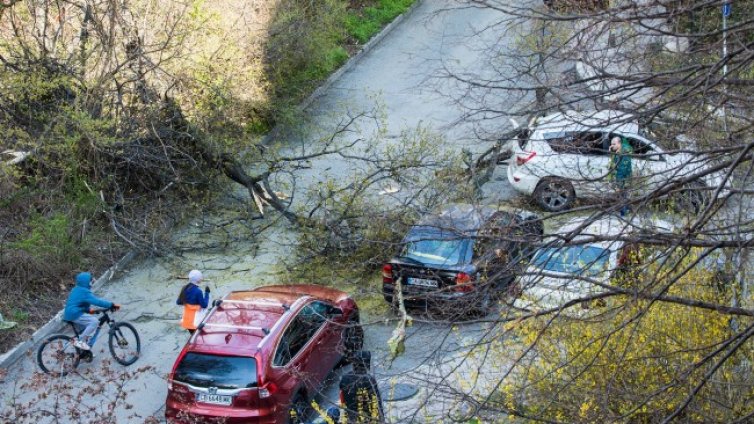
77	308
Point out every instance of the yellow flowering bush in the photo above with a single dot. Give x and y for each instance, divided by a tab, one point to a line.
639	358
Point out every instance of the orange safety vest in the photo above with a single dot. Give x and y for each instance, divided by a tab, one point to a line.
189	314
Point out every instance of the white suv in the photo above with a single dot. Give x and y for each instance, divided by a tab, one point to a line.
566	156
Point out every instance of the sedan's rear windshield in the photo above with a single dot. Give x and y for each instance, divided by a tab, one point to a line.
223	372
588	260
435	247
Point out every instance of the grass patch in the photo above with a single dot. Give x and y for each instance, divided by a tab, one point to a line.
362	24
307	44
19	316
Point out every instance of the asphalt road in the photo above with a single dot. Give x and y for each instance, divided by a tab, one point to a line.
397	74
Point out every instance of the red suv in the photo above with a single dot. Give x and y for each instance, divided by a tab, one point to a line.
259	354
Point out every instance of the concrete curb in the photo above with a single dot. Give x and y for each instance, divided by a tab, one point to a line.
55	324
350	63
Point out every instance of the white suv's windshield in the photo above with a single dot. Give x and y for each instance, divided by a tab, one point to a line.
579	260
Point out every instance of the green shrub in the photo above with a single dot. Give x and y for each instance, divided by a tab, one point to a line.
305	46
83	200
705	19
49	238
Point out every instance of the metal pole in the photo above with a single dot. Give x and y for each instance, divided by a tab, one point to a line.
725	39
726	11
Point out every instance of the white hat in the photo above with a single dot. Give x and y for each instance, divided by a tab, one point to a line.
195	276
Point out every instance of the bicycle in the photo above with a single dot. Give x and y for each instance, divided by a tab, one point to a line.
58	356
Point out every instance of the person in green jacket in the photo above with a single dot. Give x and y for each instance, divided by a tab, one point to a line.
621	168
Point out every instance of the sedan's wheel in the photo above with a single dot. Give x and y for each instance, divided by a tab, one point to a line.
483	306
554	194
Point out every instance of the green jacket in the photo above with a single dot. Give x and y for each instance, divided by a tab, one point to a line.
620	163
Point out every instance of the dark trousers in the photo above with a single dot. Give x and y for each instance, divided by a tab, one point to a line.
623	197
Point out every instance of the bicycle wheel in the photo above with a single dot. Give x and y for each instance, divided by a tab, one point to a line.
57	355
124	343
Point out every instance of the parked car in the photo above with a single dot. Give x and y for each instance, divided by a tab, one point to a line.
260	354
460	257
558	271
566	156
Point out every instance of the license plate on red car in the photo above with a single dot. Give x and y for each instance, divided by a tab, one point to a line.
424	282
214	399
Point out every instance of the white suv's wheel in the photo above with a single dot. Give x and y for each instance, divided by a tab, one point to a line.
554	194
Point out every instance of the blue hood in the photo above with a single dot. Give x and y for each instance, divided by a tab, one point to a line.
84	279
81	298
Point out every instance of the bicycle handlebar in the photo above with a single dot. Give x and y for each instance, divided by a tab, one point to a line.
103	310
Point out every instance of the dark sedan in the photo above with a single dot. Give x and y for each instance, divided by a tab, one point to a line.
461	258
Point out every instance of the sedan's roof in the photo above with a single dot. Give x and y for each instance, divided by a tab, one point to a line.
609	226
462	218
612	226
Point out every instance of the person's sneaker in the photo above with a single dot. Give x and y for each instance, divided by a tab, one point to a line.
87	356
81	345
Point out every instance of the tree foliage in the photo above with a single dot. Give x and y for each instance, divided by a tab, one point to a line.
667	343
126	113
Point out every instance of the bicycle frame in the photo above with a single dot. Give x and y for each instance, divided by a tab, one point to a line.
104	319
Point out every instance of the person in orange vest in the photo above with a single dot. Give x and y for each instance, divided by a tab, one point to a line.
192	300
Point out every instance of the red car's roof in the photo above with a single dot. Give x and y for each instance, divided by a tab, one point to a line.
239	327
236	327
297	290
226	342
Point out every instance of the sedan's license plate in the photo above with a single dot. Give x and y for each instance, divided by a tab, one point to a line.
424	282
216	399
